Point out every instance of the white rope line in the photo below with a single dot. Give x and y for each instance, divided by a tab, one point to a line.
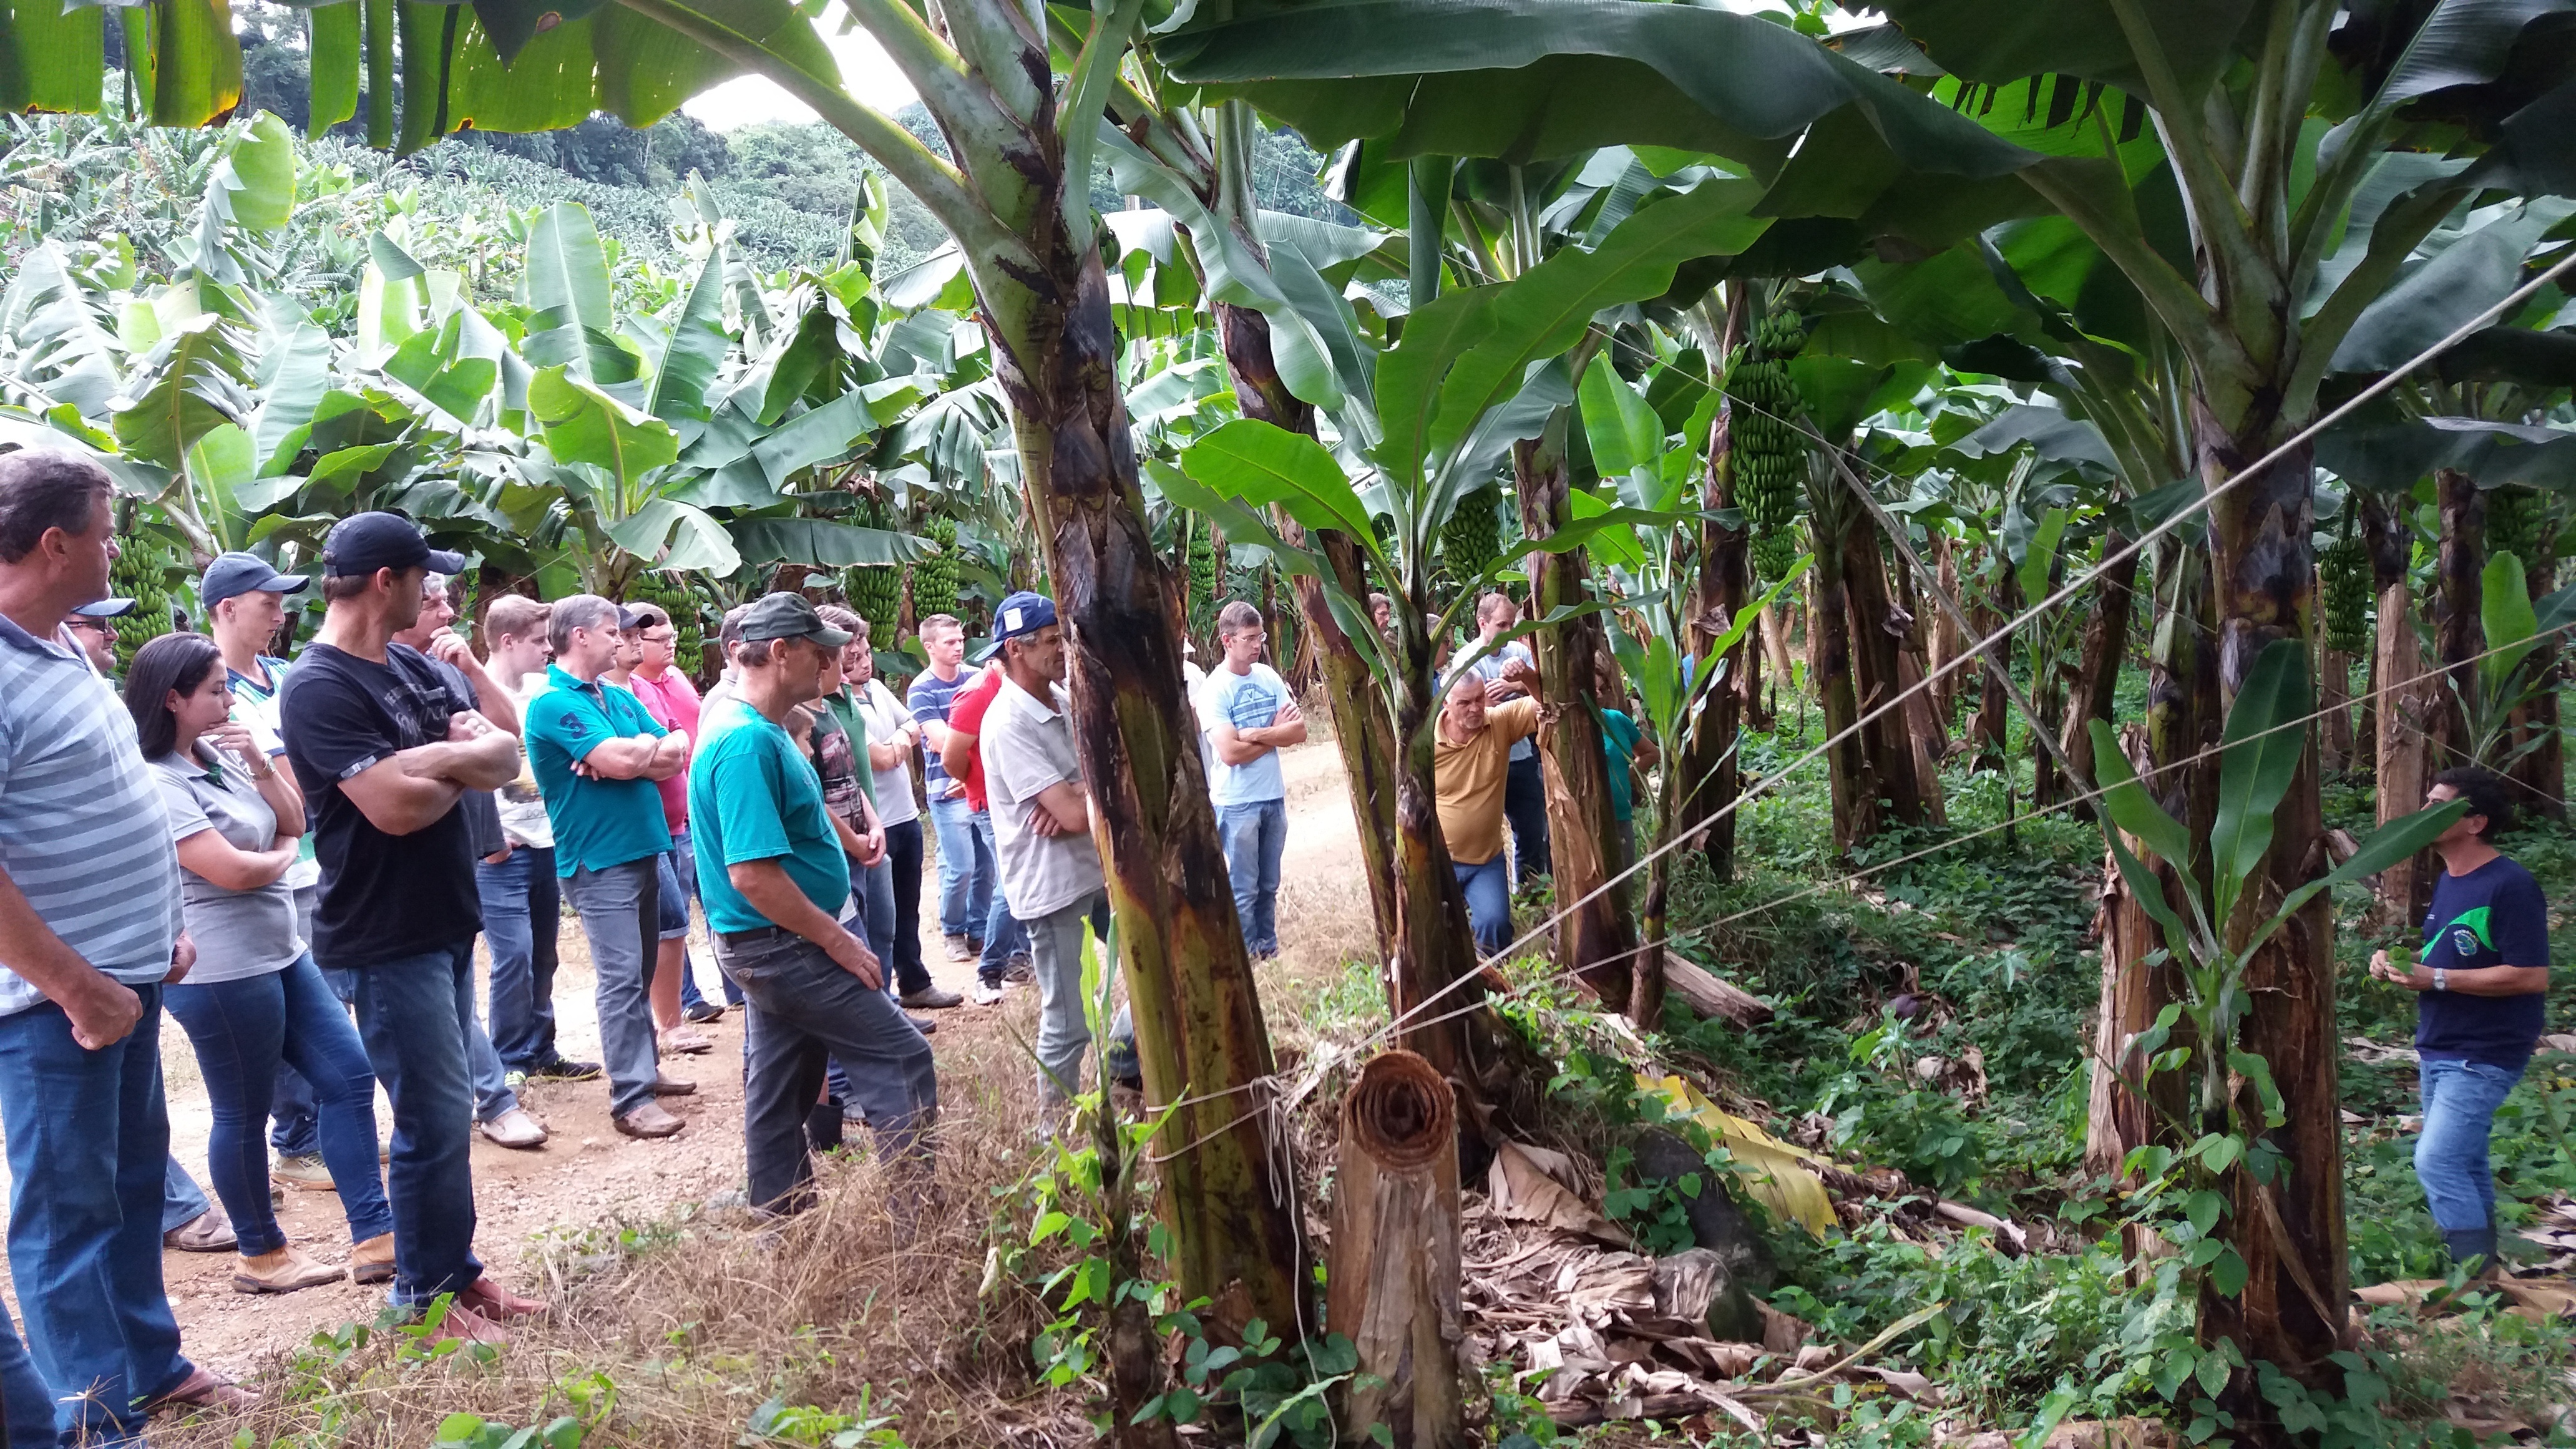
2208	498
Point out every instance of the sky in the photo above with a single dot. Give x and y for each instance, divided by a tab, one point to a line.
745	100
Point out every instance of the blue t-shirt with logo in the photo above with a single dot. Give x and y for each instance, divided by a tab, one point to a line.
752	796
1244	701
2493	916
598	823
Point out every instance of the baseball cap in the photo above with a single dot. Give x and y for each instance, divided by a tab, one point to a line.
788	616
233	574
104	608
362	543
1019	616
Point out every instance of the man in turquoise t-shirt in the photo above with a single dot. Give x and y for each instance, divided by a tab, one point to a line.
597	755
776	884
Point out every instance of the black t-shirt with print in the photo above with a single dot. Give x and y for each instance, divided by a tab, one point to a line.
384	897
2493	916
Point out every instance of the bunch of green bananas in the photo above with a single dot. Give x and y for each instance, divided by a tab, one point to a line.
1471	538
876	595
140	573
1767	452
935	580
2344	568
2515	520
1206	579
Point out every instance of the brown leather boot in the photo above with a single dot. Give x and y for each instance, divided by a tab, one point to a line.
373	1260
283	1271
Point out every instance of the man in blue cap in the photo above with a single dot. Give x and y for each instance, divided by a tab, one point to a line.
93	628
384	751
1042	829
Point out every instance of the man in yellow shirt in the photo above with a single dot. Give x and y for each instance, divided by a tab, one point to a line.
1471	759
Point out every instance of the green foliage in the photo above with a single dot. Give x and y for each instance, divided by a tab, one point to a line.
778	1422
936	584
1767	452
876	595
1471	539
2345	571
141	572
1919	1130
472	1431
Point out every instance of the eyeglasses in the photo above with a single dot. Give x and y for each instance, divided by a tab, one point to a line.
664	637
1252	636
84	621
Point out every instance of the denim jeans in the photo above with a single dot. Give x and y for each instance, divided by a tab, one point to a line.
1004	934
903	867
295	1129
1255	835
1525	806
182	1201
88	1141
412	1014
522	914
804	1010
26	1404
2460	1101
621	914
966	871
872	891
1064	1028
1489	901
243	1031
682	887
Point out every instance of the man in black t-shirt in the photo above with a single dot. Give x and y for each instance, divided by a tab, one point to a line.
384	752
2482	979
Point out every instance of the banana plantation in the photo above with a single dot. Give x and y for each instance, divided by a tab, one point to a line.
2022	515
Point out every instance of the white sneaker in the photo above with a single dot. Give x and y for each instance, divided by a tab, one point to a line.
986	993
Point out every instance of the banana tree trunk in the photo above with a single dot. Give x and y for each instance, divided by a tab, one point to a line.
2334	696
1227	1197
1946	643
1877	631
1857	815
1435	944
1993	705
2294	1308
1708	775
1361	729
2105	647
1596	938
2542	772
2137	982
2459	628
2405	711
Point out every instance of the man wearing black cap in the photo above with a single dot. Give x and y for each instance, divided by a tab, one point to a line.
93	628
776	886
384	751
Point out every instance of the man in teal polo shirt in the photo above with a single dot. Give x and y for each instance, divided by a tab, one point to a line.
596	755
776	886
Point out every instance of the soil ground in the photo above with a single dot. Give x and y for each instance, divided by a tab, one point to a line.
589	1177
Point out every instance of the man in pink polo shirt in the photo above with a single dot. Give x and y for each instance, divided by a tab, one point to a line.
672	701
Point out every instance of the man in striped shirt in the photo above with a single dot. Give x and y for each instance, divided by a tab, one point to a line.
89	934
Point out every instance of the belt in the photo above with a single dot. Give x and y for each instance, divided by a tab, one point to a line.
759	937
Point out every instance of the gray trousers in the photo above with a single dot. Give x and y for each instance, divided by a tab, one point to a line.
621	910
803	1010
1064	1030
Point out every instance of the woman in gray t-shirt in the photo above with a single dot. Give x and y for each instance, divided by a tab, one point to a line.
254	998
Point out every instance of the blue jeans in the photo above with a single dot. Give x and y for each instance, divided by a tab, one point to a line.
2460	1101
1004	936
872	891
522	913
88	1140
621	913
1489	901
805	1011
965	867
1525	806
1255	835
412	1014
681	887
296	1131
243	1031
182	1201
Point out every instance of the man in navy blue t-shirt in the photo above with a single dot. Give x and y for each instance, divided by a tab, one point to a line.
2482	979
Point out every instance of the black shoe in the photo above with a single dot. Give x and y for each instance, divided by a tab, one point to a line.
2473	1250
564	1069
921	1024
704	1011
823	1126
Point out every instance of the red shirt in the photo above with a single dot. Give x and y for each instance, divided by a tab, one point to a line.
672	701
968	714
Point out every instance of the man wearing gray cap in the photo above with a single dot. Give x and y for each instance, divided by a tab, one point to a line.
384	752
776	886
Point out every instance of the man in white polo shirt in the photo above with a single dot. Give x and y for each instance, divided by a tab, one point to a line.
1042	829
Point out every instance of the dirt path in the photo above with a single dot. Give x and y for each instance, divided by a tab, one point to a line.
588	1178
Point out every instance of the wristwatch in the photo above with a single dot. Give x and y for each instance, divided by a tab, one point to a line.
2441	979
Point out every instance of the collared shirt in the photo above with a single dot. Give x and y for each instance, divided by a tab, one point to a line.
522	805
931	698
598	823
1469	779
754	797
82	834
1244	701
1027	747
238	934
255	709
673	702
885	715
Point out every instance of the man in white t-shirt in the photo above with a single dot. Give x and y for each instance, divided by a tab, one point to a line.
1041	813
522	902
1248	714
